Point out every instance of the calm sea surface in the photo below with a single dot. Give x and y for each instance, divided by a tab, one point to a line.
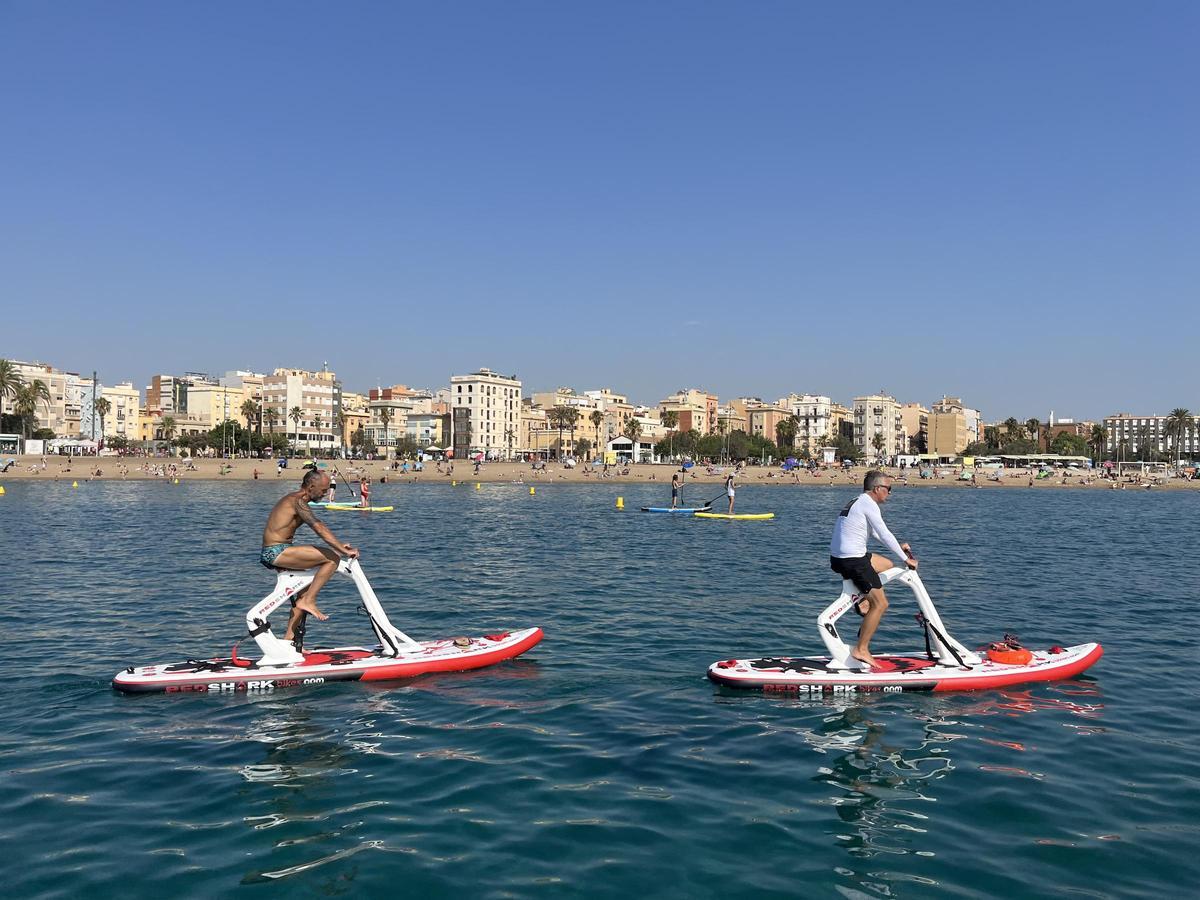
603	763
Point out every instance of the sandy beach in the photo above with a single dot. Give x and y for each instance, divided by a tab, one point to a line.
112	468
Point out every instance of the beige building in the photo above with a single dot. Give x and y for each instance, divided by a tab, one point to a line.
878	415
972	417
485	413
953	427
616	411
764	420
841	422
317	396
536	435
947	433
124	411
915	419
61	414
213	404
697	410
355	415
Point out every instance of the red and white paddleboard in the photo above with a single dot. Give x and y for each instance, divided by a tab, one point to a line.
326	665
807	675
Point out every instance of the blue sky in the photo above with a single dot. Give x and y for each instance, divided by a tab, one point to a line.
998	201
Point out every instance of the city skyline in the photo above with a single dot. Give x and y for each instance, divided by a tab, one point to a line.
994	204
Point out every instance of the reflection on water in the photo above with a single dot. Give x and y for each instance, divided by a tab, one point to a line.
889	763
602	762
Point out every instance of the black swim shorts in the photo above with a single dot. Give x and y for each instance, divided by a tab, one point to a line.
858	569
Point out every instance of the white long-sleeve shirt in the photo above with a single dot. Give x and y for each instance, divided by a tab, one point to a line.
855	523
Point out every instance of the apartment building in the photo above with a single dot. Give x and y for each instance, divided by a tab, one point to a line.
878	415
697	410
814	421
122	420
1128	435
317	398
765	419
915	419
953	426
485	413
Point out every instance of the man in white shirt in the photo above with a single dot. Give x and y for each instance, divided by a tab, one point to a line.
848	556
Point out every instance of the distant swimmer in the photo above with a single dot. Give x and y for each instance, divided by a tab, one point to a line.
848	555
279	551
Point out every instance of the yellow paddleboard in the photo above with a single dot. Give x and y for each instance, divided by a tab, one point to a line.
350	507
709	515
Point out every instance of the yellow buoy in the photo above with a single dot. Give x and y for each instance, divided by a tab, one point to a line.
1	490
620	503
531	490
74	484
477	485
453	484
177	481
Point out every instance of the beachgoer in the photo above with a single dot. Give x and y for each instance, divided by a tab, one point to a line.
364	490
279	550
333	489
729	491
675	485
848	556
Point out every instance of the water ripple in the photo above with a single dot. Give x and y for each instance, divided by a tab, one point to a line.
603	763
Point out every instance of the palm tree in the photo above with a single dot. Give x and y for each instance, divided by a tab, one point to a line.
26	402
670	420
296	414
1099	440
1143	438
103	407
167	428
250	410
597	419
509	437
572	415
272	415
785	432
558	418
1034	427
10	382
633	431
342	418
1178	424
1012	429
317	423
385	416
877	442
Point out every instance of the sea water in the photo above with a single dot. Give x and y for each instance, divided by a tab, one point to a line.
602	763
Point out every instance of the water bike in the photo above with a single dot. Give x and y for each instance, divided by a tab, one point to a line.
946	665
286	664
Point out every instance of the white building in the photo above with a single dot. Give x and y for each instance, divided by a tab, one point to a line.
878	414
485	413
813	418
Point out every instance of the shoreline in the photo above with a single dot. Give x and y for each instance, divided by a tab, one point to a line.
131	468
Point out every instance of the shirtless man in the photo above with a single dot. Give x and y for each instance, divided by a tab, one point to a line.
278	551
848	556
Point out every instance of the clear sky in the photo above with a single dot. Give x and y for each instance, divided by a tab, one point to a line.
994	200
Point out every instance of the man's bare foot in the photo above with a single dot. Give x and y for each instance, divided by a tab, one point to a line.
304	604
864	657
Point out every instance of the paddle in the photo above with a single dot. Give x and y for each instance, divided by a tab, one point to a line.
345	481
